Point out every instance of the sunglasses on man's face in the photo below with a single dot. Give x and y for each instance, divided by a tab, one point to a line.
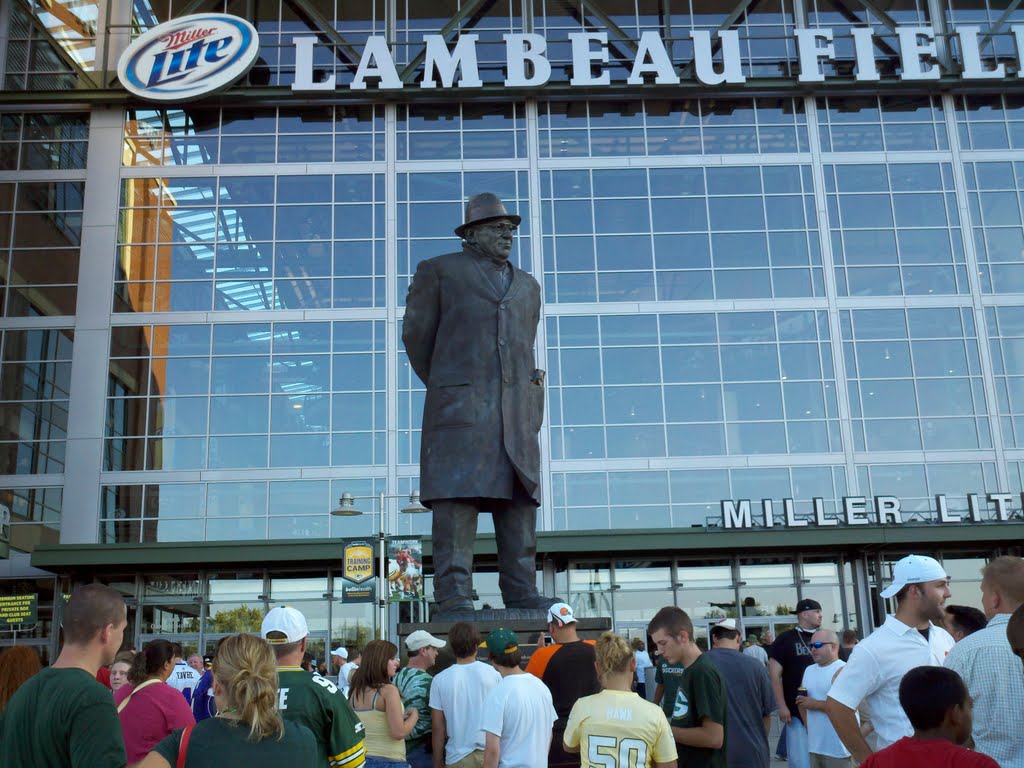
820	644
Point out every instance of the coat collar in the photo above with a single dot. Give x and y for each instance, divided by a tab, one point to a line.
484	263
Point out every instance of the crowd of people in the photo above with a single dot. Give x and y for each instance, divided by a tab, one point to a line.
935	685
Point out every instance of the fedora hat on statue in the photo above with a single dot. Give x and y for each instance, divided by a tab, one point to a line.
482	208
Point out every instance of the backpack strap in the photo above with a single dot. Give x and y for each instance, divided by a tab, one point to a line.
139	687
183	746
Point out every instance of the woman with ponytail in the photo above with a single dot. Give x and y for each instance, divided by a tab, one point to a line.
248	730
149	708
616	727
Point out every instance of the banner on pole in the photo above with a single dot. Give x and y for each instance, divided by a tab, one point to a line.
357	582
405	569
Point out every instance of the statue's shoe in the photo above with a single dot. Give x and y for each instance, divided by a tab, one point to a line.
537	601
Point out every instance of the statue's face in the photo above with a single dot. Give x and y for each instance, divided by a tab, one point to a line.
493	239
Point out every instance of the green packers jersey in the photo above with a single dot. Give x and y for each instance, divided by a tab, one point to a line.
316	702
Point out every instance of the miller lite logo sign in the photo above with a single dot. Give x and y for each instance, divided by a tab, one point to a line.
189	57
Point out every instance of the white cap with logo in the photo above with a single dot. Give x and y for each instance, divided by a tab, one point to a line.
286	620
561	613
914	569
422	639
727	624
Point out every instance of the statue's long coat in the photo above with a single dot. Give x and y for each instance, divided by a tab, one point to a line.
473	348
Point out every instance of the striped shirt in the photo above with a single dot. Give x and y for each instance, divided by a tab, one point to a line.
995	680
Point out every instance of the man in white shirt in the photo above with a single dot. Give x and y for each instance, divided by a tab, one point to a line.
456	701
518	712
912	638
993	675
826	750
183	677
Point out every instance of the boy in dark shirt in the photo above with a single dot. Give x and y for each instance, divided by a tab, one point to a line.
697	713
936	701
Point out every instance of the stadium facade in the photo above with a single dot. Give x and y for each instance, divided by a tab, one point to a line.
781	249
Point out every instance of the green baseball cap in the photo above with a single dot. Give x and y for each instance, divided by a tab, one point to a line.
501	641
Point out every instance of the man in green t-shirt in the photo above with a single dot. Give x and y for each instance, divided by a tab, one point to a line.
667	678
312	700
62	716
413	683
697	711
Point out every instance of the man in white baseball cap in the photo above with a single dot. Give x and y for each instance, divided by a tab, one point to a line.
568	670
913	637
311	700
413	682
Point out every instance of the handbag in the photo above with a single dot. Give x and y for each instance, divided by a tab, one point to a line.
183	746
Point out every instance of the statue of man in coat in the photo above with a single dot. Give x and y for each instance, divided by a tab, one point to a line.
470	324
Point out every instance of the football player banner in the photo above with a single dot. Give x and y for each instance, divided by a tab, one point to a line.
405	569
357	582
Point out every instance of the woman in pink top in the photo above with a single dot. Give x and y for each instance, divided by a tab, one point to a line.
148	707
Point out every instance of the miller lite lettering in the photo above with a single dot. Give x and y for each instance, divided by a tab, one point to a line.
189	57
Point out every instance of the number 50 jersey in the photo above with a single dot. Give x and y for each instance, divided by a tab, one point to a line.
316	702
618	729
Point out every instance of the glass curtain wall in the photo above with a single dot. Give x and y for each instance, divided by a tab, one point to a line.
823	286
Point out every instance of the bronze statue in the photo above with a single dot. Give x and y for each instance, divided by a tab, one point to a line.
469	330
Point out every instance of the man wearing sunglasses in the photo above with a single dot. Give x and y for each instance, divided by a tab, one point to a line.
469	329
826	750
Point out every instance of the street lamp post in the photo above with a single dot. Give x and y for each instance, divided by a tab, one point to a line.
347	508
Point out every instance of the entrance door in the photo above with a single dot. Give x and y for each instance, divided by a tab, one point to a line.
189	642
631	630
316	644
748	625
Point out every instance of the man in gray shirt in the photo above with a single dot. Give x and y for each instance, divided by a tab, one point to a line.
750	698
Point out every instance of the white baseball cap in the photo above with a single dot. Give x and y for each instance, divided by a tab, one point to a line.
914	569
561	613
287	620
422	639
727	624
340	651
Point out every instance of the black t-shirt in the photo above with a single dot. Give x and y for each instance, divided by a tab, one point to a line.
571	675
792	649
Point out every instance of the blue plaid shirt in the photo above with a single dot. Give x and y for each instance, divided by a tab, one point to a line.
995	680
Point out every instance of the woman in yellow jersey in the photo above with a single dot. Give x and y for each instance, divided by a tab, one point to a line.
616	728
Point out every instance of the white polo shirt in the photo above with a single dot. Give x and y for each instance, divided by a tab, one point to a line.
877	665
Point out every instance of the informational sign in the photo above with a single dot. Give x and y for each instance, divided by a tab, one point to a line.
357	583
861	510
405	569
5	531
183	59
17	610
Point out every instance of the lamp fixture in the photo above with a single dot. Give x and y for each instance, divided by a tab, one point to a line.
347	507
414	507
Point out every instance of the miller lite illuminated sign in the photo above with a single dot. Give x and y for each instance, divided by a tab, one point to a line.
189	57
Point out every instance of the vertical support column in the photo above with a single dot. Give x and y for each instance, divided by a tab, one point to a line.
113	33
5	35
92	328
937	13
546	518
391	299
862	596
828	267
977	308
